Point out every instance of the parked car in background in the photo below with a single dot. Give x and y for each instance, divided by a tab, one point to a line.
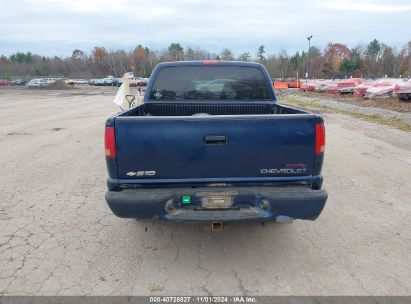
107	81
139	82
96	82
117	82
5	82
39	83
19	82
76	81
50	81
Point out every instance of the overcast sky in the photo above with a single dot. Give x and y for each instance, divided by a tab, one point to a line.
57	27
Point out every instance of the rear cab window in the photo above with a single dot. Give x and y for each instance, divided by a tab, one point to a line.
210	83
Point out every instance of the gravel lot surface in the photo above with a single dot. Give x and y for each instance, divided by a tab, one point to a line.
58	237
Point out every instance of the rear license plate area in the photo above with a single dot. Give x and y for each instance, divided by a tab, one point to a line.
216	200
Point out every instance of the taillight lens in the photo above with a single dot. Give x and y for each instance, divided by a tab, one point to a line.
110	142
319	138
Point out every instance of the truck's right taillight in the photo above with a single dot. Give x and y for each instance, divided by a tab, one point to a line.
319	138
110	142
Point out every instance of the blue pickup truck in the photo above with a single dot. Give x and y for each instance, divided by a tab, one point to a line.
210	143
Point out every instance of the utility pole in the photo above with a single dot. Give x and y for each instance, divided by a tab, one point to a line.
308	60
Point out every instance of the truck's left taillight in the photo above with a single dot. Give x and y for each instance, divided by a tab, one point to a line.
319	138
110	142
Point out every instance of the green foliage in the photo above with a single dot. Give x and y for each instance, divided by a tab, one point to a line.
175	47
373	48
261	54
175	50
20	57
296	60
190	54
348	65
374	59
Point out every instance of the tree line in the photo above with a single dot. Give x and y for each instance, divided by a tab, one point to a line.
336	60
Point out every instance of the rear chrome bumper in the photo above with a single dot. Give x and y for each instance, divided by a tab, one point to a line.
218	204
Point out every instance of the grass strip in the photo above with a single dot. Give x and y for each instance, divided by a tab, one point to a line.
396	123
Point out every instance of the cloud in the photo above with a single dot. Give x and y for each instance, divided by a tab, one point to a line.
368	7
56	27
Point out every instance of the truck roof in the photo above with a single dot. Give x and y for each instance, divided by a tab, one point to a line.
209	62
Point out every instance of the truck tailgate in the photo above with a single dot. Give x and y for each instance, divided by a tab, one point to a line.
214	148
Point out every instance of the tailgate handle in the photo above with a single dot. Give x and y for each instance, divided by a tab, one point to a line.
215	139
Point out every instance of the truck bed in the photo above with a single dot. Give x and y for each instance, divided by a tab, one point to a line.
198	108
